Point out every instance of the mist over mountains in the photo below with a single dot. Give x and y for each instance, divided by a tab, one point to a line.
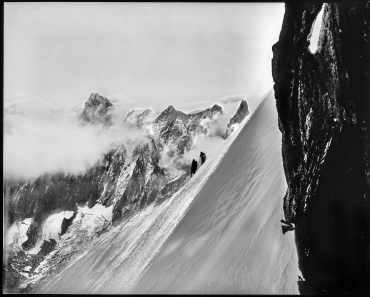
41	137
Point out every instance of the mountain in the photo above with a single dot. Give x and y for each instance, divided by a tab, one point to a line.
324	118
219	233
170	129
238	117
123	181
174	128
141	119
195	124
97	110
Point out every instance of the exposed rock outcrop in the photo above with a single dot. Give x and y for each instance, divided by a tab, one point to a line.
323	102
238	117
97	110
195	124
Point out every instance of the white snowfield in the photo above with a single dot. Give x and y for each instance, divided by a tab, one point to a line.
220	233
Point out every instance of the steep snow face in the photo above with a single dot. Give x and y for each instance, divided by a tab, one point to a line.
220	233
230	239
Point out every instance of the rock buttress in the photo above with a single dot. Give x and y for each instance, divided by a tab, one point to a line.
323	103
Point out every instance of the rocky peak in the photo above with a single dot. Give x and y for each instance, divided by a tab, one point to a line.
217	108
170	108
241	113
148	112
97	110
170	114
208	112
141	118
238	117
95	100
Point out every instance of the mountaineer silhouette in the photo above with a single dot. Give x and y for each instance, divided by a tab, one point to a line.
194	166
202	158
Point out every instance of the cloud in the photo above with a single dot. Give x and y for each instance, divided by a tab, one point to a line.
252	99
202	143
43	138
122	105
216	126
172	161
231	99
40	137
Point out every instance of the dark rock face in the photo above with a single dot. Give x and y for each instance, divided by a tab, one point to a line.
143	186
238	117
109	182
66	223
97	110
323	102
170	128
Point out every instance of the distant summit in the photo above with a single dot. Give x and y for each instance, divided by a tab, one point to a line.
97	110
170	114
238	117
141	118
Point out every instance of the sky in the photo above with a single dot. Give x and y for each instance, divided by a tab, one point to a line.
138	55
185	54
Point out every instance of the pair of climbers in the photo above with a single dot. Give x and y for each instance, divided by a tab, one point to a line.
194	164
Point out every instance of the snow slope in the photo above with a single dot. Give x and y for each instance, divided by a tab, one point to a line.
230	240
220	233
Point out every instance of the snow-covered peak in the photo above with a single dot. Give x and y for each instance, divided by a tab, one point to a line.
214	109
141	118
133	114
170	114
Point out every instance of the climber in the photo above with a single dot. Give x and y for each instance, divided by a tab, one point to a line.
202	157
287	227
194	166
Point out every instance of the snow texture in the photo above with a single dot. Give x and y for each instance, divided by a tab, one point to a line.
17	233
220	233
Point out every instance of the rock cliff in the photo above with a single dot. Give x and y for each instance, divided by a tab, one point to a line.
323	102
